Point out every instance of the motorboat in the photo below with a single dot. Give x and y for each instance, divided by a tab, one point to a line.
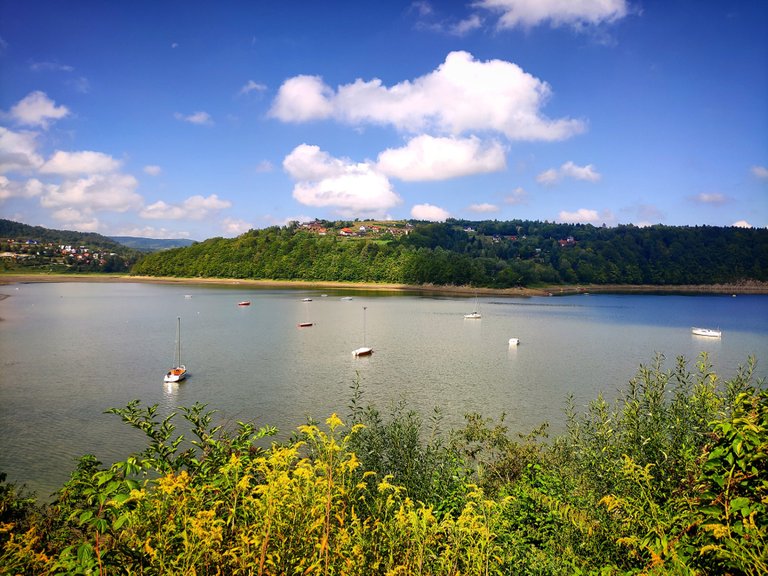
244	303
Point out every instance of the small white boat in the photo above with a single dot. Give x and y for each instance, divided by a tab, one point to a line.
244	303
363	350
475	314
708	332
345	298
306	299
179	371
514	342
307	323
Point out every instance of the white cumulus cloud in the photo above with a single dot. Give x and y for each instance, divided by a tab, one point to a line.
433	158
17	189
36	109
429	212
18	151
152	170
193	208
109	192
569	170
303	98
74	163
462	95
576	13
742	224
351	188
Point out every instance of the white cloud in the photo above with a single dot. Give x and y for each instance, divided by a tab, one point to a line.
484	208
517	196
18	151
742	224
264	166
303	98
466	26
76	220
760	172
193	208
429	212
251	86
713	198
586	216
16	189
199	118
430	158
151	232
462	96
36	109
153	170
576	13
569	170
109	192
327	182
73	163
235	227
51	66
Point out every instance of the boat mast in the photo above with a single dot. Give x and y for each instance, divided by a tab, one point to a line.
178	340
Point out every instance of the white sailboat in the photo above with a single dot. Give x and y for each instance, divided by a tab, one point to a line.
707	332
475	314
363	350
307	323
179	371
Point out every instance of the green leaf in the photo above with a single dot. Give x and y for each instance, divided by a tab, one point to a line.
738	504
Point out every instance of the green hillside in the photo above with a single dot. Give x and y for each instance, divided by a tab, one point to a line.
26	248
488	253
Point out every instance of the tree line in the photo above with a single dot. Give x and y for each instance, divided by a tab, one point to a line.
492	254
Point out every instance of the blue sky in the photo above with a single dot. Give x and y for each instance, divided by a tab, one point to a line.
198	118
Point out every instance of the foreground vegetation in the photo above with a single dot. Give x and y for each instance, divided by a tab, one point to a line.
671	479
489	254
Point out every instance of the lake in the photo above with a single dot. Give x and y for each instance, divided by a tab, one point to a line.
70	351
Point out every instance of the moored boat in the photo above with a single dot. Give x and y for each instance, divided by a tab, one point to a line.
244	303
179	371
708	332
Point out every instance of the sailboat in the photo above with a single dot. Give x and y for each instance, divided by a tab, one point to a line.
307	323
363	350
179	371
475	314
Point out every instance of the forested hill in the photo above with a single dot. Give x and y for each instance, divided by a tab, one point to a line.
18	231
491	254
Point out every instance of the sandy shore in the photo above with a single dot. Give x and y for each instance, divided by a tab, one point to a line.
745	288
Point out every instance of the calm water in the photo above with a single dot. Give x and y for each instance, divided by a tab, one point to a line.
68	352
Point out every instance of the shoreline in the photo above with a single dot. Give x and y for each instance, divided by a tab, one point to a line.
745	288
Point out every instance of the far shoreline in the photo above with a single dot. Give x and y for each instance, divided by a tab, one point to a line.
751	287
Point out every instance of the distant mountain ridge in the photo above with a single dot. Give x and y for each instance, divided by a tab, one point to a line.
152	244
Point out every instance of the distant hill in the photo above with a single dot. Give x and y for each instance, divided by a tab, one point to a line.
152	244
19	231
